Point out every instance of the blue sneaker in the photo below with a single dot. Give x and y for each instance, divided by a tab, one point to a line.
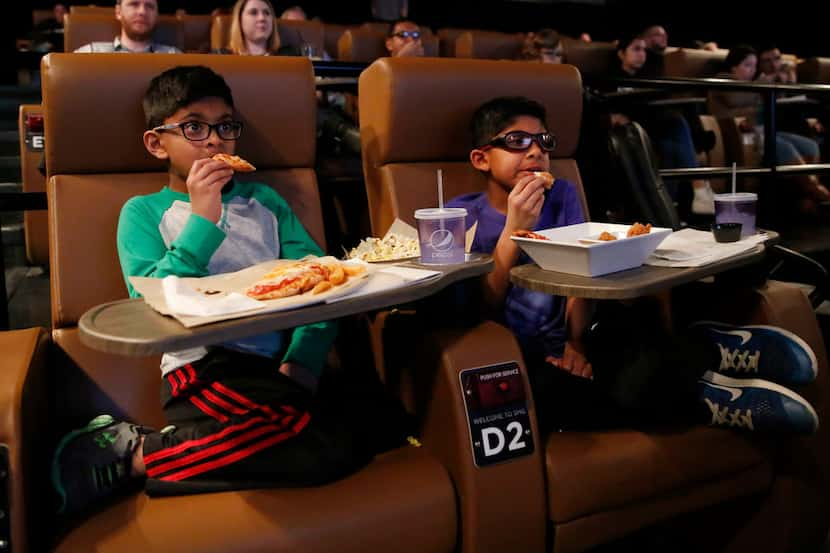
758	351
755	405
94	462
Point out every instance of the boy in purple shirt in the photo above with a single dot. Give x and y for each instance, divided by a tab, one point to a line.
548	327
639	375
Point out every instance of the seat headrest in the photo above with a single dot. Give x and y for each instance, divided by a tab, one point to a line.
196	30
366	45
488	45
376	26
363	45
331	34
296	33
86	10
220	31
83	28
594	57
414	109
814	70
447	37
693	63
99	97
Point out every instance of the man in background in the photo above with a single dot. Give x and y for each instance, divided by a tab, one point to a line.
138	20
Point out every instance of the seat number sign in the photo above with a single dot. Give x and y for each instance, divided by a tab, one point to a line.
497	413
34	141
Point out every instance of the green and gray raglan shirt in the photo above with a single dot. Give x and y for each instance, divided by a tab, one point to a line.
158	235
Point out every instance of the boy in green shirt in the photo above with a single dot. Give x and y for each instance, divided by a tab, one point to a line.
238	418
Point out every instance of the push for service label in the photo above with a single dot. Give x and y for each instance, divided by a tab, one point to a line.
497	413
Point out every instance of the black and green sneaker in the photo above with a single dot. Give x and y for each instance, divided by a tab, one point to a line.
94	462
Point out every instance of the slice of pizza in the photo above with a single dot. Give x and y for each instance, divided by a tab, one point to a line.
288	279
237	163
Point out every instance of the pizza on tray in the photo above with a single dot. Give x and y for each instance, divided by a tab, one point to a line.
299	277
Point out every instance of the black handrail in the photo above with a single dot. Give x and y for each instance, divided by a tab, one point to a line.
332	68
769	93
809	168
703	83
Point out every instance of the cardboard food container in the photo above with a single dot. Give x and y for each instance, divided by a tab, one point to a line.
575	249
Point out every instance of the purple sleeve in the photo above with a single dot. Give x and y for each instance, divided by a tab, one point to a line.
573	213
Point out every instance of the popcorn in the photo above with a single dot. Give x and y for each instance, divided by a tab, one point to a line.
389	248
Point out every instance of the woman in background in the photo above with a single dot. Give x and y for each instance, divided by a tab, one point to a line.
253	29
792	149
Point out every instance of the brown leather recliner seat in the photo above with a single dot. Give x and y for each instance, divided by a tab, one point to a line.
220	31
402	501
692	63
83	28
39	16
297	33
814	70
595	57
331	35
196	30
600	485
447	37
91	10
489	45
366	44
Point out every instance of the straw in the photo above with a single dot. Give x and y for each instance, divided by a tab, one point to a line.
441	197
440	190
733	178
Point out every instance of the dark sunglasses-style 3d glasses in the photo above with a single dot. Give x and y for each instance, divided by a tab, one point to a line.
519	141
406	34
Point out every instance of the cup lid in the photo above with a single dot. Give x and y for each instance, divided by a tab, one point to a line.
438	213
736	197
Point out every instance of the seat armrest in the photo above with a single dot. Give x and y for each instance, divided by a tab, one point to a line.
489	522
790	265
24	419
802	466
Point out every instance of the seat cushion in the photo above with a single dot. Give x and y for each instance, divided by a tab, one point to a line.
403	502
592	472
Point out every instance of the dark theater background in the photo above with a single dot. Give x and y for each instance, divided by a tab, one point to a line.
796	26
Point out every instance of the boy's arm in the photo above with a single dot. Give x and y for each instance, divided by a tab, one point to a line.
310	343
579	313
524	203
142	251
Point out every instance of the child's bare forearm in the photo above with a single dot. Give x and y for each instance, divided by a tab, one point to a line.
579	312
497	281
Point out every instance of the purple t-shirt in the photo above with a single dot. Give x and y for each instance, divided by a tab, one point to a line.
537	319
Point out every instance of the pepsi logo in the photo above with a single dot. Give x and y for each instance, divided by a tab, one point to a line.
441	240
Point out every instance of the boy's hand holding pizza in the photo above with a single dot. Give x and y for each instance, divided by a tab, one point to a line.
524	203
204	185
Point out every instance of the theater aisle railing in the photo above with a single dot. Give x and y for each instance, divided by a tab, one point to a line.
769	93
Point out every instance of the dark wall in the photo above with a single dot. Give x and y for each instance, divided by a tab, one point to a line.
795	25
